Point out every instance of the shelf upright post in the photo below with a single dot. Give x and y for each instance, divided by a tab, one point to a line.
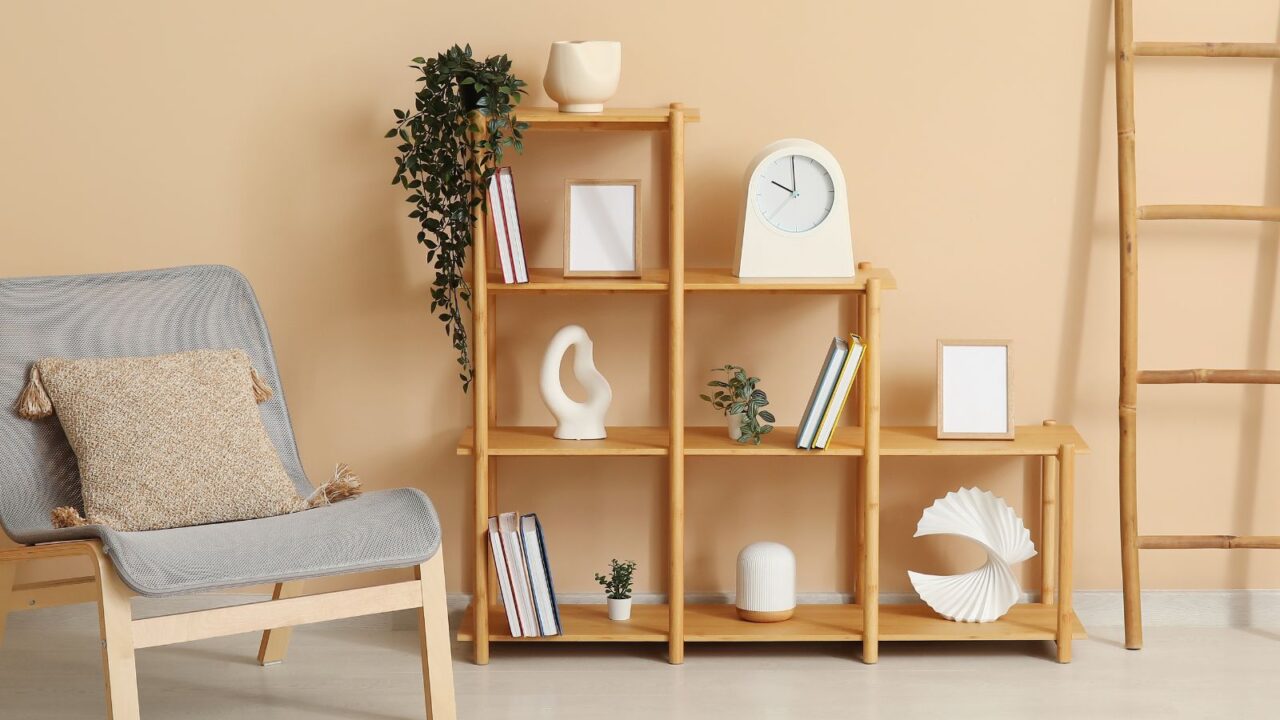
480	395
859	488
675	629
1048	524
871	481
1066	549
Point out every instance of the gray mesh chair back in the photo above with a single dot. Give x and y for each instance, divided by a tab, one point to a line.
114	315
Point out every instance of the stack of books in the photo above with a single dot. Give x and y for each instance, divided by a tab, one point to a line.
524	575
506	226
835	382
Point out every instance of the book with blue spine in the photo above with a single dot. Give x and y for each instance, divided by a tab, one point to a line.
539	568
821	395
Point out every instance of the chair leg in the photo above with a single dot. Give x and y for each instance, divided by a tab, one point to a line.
275	642
115	618
8	570
433	627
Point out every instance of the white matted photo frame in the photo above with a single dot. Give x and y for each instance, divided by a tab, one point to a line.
975	390
602	228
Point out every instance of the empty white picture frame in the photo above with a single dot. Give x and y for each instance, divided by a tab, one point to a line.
975	390
602	228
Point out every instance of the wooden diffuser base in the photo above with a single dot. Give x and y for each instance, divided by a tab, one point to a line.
766	616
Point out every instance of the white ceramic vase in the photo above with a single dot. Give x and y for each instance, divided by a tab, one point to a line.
575	420
735	420
619	610
766	582
583	74
981	595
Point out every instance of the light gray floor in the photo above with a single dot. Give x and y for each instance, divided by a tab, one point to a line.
49	668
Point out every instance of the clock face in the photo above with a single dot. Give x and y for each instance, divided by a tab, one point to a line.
794	193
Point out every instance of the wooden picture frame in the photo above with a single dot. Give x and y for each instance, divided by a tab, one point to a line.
595	241
975	390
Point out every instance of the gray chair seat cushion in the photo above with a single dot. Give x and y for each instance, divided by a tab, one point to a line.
378	530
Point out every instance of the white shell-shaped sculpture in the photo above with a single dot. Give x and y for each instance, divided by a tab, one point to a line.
985	594
766	582
575	420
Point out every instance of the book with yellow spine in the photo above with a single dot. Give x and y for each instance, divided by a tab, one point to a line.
844	385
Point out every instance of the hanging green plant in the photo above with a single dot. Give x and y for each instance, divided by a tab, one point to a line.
451	142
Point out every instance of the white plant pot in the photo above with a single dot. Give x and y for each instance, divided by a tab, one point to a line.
736	421
583	74
619	610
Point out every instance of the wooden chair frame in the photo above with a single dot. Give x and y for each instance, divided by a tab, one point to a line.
122	635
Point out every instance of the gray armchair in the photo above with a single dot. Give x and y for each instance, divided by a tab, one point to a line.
165	311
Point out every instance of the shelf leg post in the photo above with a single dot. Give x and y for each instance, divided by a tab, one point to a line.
675	628
871	482
860	485
1066	553
492	504
480	394
1048	524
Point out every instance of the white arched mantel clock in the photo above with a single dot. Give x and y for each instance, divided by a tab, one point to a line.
795	219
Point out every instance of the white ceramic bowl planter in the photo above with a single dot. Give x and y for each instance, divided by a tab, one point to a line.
982	595
766	582
583	74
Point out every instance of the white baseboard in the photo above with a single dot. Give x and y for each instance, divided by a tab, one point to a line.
1099	608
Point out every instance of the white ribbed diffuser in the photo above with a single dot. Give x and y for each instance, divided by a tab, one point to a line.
766	582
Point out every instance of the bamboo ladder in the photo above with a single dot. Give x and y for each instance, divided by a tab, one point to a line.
1130	375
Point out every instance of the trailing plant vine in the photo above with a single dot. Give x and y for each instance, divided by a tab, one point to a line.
738	393
451	142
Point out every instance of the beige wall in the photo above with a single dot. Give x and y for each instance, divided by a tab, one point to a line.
977	139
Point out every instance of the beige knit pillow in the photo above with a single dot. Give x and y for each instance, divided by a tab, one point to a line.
167	441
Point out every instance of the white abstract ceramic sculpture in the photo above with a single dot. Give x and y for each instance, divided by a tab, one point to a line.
575	420
985	594
766	582
583	74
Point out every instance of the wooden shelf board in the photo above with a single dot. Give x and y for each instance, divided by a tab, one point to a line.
896	441
552	280
714	440
723	280
811	623
922	440
582	623
1026	621
513	440
549	118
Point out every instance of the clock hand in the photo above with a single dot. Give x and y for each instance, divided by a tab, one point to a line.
784	187
778	209
794	184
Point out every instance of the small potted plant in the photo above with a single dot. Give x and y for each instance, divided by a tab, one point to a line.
617	588
742	403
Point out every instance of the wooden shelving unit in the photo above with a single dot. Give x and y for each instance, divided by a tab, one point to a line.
675	623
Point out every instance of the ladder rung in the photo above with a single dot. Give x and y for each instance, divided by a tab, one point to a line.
1209	212
1207	49
1200	375
1209	542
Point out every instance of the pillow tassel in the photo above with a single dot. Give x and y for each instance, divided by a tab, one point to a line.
261	392
67	517
34	402
344	485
